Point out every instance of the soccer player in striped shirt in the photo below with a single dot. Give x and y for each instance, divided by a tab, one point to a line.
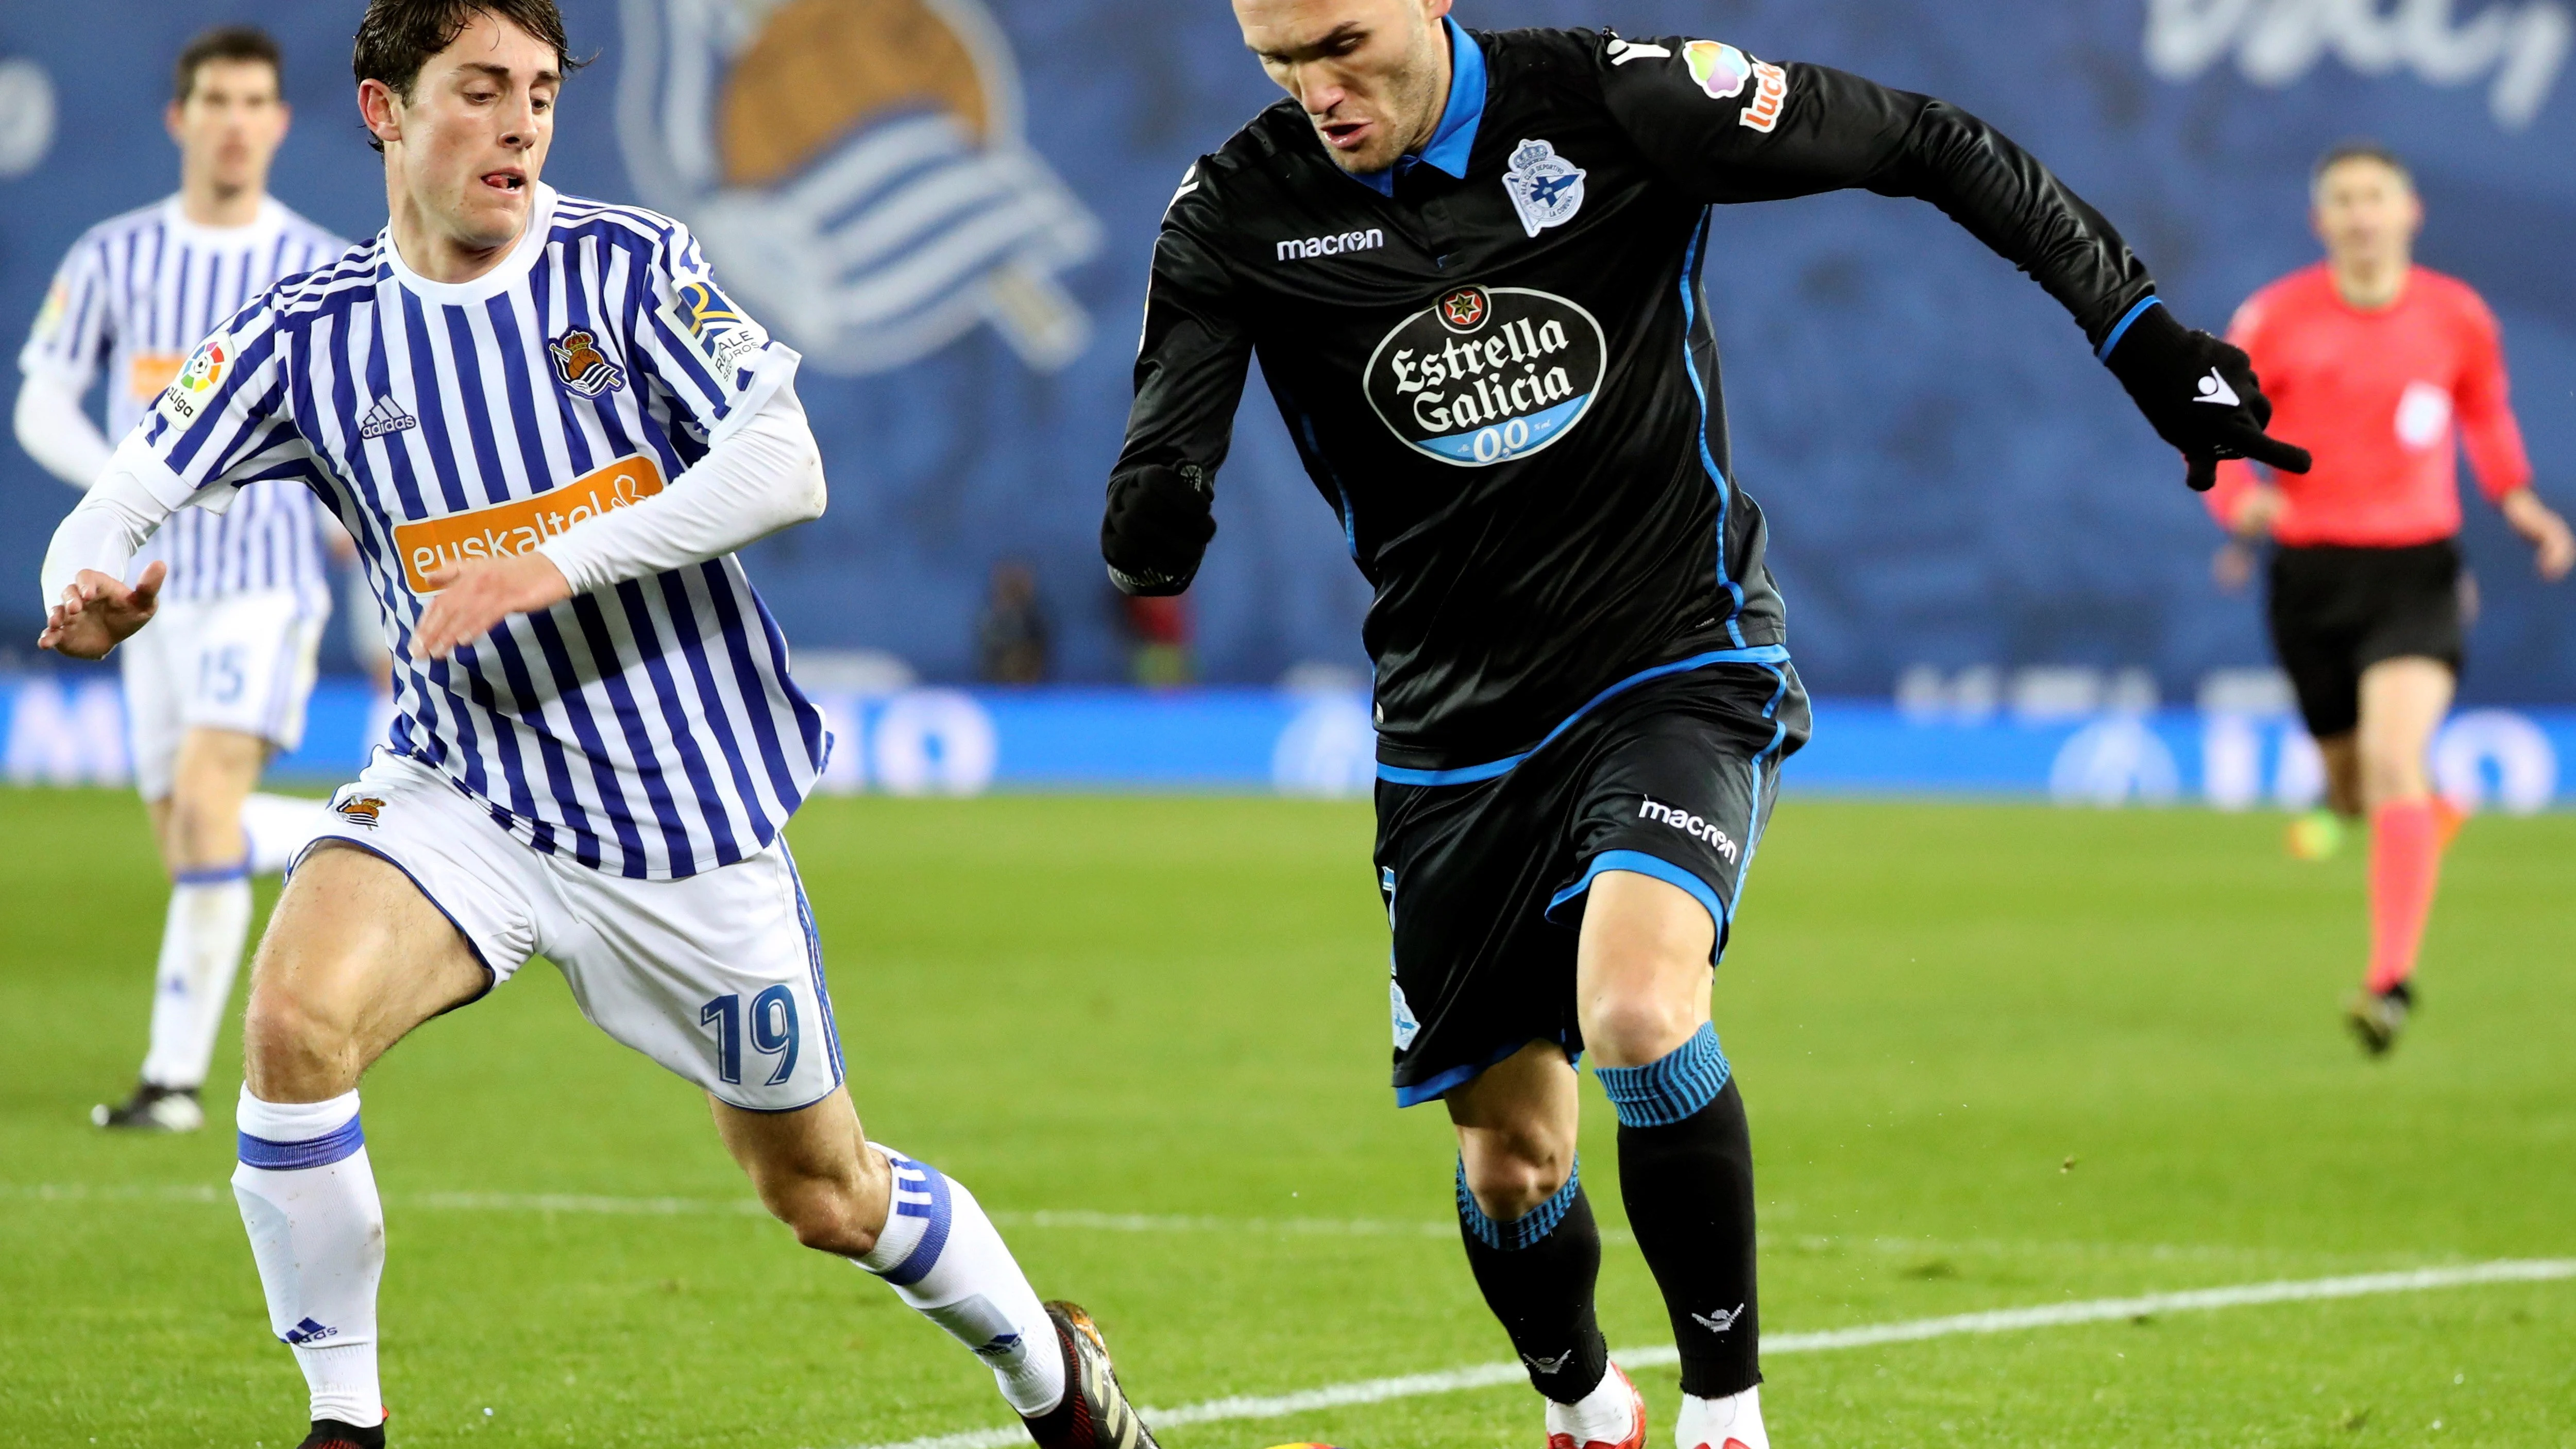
221	683
548	430
2388	370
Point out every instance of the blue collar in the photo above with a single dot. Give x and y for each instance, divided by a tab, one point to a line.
1456	136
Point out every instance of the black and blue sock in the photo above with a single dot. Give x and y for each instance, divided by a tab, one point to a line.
1537	1272
1686	1171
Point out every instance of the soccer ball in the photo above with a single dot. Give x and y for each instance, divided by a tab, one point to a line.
2317	835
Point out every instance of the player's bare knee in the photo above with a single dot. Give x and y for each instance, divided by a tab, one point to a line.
1510	1173
826	1214
2387	780
200	832
295	1049
1633	1029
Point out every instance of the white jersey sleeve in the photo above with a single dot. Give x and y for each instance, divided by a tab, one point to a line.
70	340
701	352
225	420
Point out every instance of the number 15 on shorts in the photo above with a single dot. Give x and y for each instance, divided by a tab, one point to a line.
773	1030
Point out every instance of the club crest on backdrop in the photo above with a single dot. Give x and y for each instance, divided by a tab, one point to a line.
856	172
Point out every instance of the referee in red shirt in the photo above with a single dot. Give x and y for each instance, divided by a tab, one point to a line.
2385	370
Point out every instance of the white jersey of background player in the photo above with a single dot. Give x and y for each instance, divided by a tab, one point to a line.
548	430
220	681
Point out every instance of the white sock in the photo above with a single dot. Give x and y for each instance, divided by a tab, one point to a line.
943	1257
317	1231
1720	1423
276	828
1607	1415
201	949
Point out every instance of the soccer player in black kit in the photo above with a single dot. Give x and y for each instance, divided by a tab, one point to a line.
1469	266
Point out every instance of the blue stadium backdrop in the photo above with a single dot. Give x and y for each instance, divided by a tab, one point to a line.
958	244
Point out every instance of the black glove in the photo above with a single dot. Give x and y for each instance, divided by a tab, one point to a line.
1157	528
2202	396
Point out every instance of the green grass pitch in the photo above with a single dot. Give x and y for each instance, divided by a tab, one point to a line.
1995	1057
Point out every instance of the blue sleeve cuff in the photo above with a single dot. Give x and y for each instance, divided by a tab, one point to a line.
2127	320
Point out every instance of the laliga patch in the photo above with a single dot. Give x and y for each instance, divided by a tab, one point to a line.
186	398
726	338
50	316
1720	69
581	366
1486	375
1546	189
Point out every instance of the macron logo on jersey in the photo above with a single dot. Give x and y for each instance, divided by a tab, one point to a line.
1332	246
387	416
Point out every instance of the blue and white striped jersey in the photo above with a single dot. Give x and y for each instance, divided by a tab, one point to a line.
649	729
131	300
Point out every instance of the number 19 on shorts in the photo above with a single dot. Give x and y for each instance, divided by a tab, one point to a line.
773	1030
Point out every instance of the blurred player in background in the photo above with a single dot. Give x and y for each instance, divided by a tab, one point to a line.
549	430
1450	252
220	684
2385	369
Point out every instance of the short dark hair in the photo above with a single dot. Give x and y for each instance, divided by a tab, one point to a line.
224	42
2359	149
397	37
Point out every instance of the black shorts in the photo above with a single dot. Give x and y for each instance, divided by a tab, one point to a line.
1485	878
2338	611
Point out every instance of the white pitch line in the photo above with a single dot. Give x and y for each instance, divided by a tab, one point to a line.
2007	1320
592	1203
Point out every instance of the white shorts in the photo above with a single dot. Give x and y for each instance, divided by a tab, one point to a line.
243	663
718	976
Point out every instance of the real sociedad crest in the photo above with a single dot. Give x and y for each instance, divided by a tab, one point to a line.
856	172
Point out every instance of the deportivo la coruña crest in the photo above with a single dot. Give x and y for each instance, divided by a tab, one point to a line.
1485	375
1546	189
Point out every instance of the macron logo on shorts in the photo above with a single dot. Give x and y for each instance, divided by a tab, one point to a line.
1688	824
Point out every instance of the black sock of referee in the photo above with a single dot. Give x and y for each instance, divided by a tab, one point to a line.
1537	1273
1686	1172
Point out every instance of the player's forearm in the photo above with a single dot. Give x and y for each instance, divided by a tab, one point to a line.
110	526
56	433
766	476
2016	206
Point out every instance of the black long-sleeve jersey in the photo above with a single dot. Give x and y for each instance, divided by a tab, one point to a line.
1506	385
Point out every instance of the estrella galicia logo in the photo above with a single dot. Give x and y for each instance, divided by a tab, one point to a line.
1485	375
857	169
1464	310
1546	189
